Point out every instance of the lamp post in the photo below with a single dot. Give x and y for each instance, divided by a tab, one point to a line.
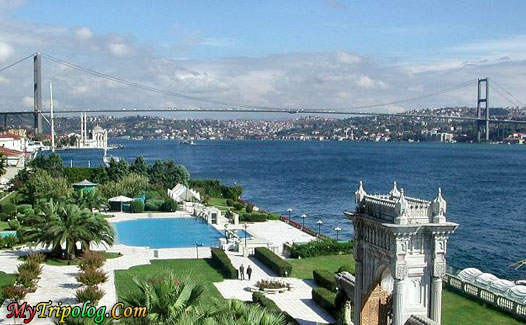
319	223
245	226
289	210
197	249
337	229
303	216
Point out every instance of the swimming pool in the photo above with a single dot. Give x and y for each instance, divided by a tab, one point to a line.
165	233
7	233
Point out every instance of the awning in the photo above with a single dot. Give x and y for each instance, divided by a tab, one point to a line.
120	199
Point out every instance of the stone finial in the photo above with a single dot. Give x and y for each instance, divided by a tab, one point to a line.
439	208
400	209
394	192
359	195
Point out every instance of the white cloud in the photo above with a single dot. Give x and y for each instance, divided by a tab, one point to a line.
84	33
4	80
27	101
5	51
119	49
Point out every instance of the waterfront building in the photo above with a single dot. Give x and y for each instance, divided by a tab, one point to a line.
400	253
94	139
13	141
14	158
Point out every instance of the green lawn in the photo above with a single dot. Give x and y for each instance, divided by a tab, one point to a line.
5	280
199	269
459	310
302	268
3	225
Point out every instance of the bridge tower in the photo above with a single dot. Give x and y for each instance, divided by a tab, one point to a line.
482	122
400	253
37	93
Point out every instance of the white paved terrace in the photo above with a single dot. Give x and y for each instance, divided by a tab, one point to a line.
297	302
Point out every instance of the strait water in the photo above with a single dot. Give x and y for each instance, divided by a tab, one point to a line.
484	185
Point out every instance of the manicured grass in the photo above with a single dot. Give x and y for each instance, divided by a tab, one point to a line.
58	262
302	268
5	280
460	310
4	225
201	270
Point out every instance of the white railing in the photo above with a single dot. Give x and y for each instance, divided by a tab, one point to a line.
497	300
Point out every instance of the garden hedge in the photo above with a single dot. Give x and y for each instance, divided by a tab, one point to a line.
325	279
254	217
321	247
273	261
259	297
326	299
223	262
137	206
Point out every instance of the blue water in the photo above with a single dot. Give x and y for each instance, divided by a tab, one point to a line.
7	233
165	233
484	185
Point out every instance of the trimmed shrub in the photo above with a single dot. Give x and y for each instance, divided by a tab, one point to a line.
91	293
30	266
137	206
273	216
273	261
326	299
238	205
9	209
259	297
253	217
24	208
92	276
346	268
37	258
153	204
15	293
13	224
10	241
3	216
26	278
229	202
321	247
325	279
169	205
91	260
220	258
249	208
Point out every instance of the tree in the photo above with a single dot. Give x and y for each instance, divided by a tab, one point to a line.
139	166
3	164
130	185
52	164
61	224
44	186
88	199
166	174
166	298
118	169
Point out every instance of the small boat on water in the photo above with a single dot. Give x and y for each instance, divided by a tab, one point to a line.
187	142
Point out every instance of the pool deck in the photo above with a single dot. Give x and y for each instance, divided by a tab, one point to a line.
58	283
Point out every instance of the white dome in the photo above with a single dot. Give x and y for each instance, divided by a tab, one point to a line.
469	274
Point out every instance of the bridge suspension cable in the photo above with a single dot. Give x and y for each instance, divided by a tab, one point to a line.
218	102
515	100
15	63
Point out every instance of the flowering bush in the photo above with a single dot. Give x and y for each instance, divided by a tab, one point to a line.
91	260
271	284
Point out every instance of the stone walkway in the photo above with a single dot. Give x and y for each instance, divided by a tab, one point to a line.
297	302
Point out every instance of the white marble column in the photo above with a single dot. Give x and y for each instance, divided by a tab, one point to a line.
398	303
436	299
358	292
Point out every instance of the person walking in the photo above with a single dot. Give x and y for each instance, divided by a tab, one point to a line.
249	272
242	272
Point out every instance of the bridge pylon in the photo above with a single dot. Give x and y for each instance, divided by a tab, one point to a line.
37	93
482	98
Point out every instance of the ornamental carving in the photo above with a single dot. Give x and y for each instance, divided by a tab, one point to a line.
439	269
401	271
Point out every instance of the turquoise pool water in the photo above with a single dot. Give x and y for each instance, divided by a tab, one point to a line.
165	233
7	233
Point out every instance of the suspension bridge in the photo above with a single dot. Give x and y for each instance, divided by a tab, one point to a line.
482	119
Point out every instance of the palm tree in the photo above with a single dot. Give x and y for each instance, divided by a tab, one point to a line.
238	312
89	199
168	299
60	224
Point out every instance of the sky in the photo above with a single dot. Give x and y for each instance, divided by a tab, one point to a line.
291	54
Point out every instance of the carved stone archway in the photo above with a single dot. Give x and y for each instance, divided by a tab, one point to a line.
377	307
